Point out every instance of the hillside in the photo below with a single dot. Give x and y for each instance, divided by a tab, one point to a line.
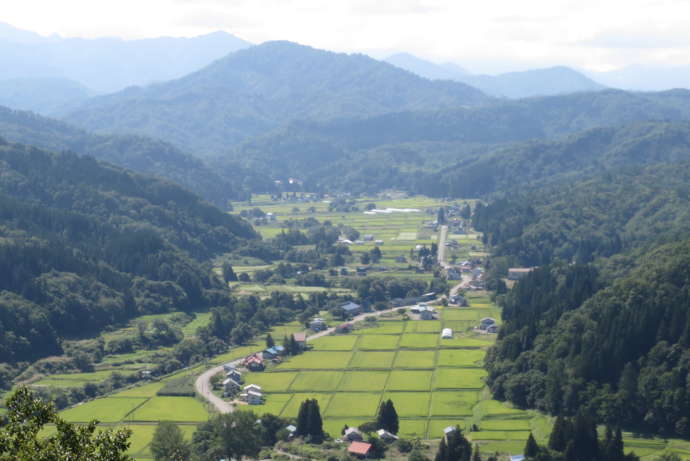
252	91
145	155
86	245
109	64
603	323
515	85
43	95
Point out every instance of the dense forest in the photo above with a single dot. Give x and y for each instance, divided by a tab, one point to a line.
138	153
85	245
603	324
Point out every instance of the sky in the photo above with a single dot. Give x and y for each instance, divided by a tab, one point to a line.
482	36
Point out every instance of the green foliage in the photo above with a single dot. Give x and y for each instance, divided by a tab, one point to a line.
27	415
387	417
309	422
168	443
230	435
179	387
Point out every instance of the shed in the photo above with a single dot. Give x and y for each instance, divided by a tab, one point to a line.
386	436
447	333
352	434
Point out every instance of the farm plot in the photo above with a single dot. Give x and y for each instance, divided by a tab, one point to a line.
317	381
468	341
372	359
378	342
415	359
334	343
410	404
363	381
393	327
427	326
317	360
460	357
292	407
409	380
418	341
271	382
273	404
412	428
170	409
449	403
459	378
108	410
353	404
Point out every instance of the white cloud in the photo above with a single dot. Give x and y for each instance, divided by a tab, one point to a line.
487	35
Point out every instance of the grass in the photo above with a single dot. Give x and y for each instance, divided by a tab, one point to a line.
384	327
317	360
468	341
363	381
453	403
107	410
427	326
451	313
494	409
378	342
140	438
334	343
170	409
408	380
412	428
459	378
292	407
505	425
418	341
372	359
415	359
318	381
271	382
410	404
273	404
351	404
460	357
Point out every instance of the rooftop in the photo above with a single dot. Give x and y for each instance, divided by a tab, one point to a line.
359	448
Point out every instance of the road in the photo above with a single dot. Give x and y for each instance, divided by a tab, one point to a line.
203	382
442	237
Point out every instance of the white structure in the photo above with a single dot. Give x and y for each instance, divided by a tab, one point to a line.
447	333
252	387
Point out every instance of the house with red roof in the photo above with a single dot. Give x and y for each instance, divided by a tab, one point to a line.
359	449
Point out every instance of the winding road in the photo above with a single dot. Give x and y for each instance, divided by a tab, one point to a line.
203	382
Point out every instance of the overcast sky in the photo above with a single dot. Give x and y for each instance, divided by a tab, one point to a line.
484	35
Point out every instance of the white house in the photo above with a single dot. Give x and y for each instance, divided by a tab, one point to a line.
252	387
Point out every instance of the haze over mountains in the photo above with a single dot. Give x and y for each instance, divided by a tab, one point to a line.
108	64
514	85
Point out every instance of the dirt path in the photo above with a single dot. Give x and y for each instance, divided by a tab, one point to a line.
203	382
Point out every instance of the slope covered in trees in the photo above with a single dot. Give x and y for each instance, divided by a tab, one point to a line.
146	155
604	323
252	91
85	245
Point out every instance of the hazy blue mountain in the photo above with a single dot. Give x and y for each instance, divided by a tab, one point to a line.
252	91
138	153
537	82
109	64
43	95
427	69
645	78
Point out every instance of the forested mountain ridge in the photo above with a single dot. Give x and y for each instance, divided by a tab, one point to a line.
603	324
145	155
85	245
252	91
44	95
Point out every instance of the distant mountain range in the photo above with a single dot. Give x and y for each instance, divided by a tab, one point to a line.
514	85
42	95
252	91
108	64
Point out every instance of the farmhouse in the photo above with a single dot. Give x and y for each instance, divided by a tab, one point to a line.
252	387
452	274
352	434
449	430
252	397
273	352
230	386
486	322
492	329
447	333
318	324
351	308
516	273
301	340
234	375
229	366
359	449
386	436
291	429
343	328
254	363
426	313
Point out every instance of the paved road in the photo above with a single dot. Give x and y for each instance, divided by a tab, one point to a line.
442	237
203	382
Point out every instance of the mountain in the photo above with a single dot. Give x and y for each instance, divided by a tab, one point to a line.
109	64
255	90
138	153
514	85
345	154
42	95
645	78
85	245
604	323
427	69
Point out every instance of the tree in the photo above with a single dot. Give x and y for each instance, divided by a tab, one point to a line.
27	415
269	341
560	434
365	258
375	254
309	422
378	447
228	273
227	436
441	216
442	453
459	448
168	443
531	447
387	417
476	456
